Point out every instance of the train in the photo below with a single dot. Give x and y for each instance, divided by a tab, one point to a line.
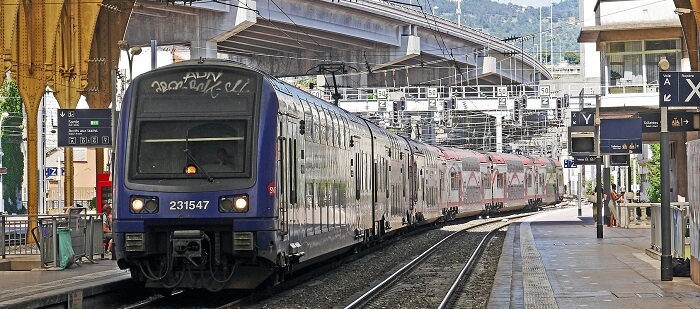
226	177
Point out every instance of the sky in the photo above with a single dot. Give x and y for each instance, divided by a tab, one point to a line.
535	3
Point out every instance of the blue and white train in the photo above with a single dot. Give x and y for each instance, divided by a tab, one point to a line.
226	177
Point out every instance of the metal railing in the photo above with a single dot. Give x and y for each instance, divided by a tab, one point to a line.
651	217
25	236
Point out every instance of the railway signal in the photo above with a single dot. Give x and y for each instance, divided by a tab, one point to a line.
516	111
560	112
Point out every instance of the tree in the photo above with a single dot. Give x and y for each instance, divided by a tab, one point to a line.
13	159
572	58
654	166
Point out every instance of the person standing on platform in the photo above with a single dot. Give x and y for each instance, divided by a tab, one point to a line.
614	197
107	228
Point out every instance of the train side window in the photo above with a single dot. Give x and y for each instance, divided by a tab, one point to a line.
500	180
454	180
339	126
322	124
317	124
308	120
332	126
487	181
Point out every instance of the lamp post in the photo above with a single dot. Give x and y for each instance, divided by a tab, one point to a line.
2	191
130	53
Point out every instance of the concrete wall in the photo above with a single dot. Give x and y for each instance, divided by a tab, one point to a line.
632	12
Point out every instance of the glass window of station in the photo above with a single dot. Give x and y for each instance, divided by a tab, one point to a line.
633	66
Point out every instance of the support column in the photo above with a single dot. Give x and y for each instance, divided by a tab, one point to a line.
499	133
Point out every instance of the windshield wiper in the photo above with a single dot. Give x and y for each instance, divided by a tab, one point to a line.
199	168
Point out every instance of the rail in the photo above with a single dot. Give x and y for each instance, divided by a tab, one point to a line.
632	215
25	236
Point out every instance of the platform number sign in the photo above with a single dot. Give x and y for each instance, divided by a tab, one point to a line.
502	102
569	163
381	93
544	91
432	92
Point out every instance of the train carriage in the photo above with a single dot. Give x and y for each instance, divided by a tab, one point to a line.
515	182
471	182
226	177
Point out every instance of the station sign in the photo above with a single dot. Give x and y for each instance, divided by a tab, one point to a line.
502	102
677	122
85	127
620	136
53	172
582	118
679	89
501	91
584	160
569	163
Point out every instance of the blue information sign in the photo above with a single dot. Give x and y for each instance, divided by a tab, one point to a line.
618	136
679	89
569	163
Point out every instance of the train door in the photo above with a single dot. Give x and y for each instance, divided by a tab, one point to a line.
288	146
486	182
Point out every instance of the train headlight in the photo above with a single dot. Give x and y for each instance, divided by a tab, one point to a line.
241	203
235	203
143	204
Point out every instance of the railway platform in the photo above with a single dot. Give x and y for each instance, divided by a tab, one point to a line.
46	288
555	260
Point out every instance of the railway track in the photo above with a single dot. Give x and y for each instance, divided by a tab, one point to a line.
443	267
351	275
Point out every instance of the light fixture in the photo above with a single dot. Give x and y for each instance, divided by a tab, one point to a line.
681	11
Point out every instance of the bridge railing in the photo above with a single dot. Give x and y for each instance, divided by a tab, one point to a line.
482	91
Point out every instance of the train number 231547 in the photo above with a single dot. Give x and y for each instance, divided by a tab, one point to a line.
188	205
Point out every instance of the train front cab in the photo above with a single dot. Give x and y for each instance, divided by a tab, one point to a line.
181	221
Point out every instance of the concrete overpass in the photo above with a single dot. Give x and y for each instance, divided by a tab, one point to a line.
381	43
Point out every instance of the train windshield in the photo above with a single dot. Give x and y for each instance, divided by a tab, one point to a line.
169	147
194	123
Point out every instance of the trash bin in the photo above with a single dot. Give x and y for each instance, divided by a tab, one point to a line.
65	248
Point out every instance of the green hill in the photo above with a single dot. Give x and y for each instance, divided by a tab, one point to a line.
508	20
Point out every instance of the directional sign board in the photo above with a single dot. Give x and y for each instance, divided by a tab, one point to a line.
582	118
679	89
618	136
677	122
584	160
84	128
544	101
569	163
